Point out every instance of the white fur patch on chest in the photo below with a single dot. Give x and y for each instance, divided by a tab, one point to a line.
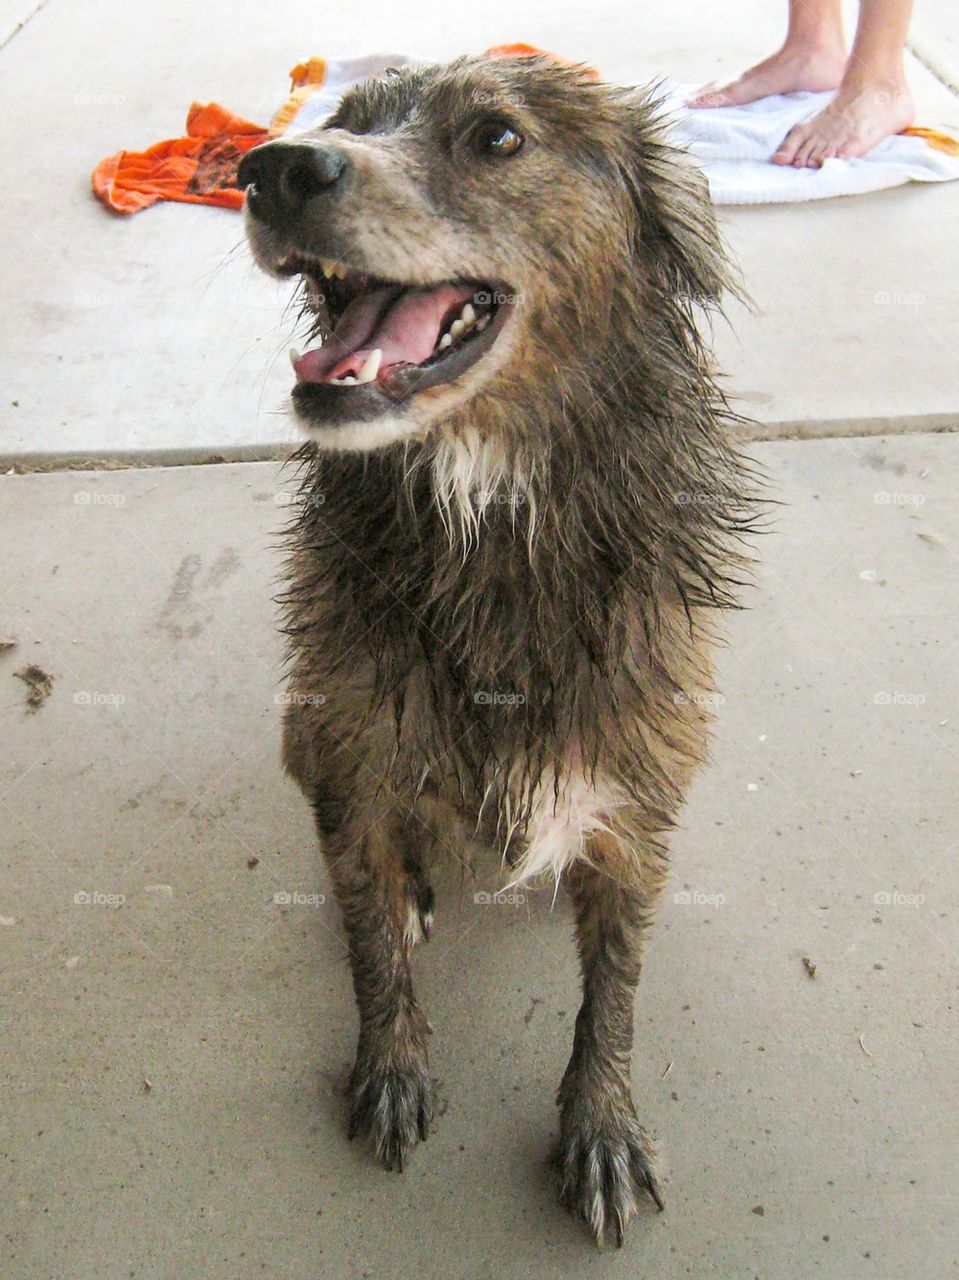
560	825
470	475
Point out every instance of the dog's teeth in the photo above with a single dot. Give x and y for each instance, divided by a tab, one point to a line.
294	357
456	328
468	315
371	366
445	341
328	266
481	323
349	382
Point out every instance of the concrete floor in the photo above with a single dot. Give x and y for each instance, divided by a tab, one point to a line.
935	37
153	337
807	1126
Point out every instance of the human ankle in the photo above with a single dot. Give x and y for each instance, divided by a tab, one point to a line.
816	47
890	81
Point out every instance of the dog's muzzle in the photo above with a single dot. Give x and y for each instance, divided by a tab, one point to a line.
382	340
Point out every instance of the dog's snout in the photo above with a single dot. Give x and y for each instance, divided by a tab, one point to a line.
282	177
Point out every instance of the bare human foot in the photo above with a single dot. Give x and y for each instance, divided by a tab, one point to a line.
797	65
859	117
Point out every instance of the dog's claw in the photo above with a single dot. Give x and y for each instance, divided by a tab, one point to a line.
391	1106
601	1169
652	1186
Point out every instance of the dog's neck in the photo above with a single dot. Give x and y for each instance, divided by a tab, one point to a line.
471	477
562	474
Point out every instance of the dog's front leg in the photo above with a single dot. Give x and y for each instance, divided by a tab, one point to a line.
604	1155
389	1088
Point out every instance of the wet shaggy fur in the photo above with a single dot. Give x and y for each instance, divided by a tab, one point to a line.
500	624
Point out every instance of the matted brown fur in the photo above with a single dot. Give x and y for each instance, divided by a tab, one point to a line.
500	620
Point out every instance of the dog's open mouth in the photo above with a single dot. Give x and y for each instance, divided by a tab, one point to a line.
384	341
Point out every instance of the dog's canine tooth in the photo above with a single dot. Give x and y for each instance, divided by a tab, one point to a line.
294	357
456	328
371	366
468	314
445	341
349	381
328	267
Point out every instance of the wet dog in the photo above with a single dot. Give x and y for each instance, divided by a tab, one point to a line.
518	517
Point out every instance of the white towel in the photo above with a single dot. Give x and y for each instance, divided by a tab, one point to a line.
342	74
731	144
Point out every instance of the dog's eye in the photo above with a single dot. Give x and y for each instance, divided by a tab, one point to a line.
498	139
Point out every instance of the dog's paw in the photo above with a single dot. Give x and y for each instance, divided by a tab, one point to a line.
602	1167
391	1106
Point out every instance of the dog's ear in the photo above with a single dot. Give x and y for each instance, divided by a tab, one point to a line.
676	238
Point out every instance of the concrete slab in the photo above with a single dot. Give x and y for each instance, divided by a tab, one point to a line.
14	14
935	37
171	1066
855	323
153	338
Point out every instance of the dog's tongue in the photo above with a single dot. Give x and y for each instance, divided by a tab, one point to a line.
405	327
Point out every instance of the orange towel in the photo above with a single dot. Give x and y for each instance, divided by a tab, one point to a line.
934	138
198	169
304	79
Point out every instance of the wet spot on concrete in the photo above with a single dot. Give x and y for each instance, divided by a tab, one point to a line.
878	461
184	613
528	1015
227	562
181	616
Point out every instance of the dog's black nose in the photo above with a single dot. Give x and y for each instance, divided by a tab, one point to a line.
281	177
